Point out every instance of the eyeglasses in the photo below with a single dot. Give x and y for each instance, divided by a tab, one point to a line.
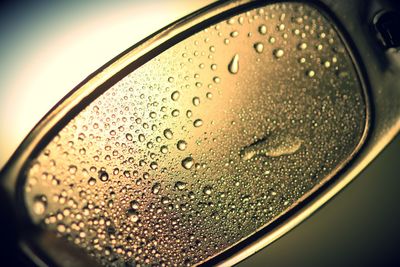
207	141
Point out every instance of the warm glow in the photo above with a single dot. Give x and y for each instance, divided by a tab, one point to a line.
50	51
206	143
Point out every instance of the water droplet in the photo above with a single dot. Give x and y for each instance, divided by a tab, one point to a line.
207	190
168	134
133	215
259	47
196	101
180	185
153	115
231	21
39	204
134	204
234	34
216	79
271	146
327	64
129	137
91	181
175	113
61	228
103	176
72	169
287	147
141	137
165	200
164	149
233	66
271	40
150	145
343	74
82	151
278	53
156	188
299	20
175	95
181	145
198	123
262	29
310	73
153	165
302	46
188	163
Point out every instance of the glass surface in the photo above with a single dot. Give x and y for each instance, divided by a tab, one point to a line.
204	144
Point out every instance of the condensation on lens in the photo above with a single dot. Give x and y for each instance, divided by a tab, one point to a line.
204	144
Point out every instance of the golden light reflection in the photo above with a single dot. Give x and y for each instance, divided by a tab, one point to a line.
206	143
55	50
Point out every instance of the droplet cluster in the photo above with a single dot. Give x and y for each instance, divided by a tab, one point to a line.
204	144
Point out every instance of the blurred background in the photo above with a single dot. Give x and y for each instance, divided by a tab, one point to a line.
48	47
